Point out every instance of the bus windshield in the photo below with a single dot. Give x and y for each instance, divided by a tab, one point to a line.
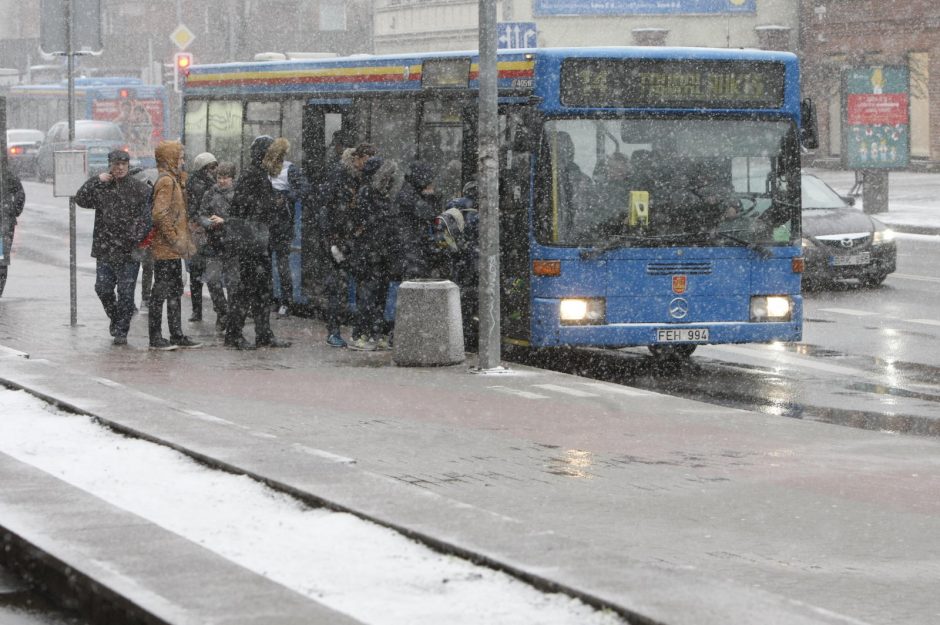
652	182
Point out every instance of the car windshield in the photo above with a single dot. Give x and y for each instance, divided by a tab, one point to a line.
24	136
816	194
103	131
648	182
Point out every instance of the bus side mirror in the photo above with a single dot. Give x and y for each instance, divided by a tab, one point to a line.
809	131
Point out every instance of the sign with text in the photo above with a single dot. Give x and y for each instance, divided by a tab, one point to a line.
71	172
876	117
642	7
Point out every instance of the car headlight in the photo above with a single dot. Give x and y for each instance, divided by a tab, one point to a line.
807	242
771	308
883	236
582	311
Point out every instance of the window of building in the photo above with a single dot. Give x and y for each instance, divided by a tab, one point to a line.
332	14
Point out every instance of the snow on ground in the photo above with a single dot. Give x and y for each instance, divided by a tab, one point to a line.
375	575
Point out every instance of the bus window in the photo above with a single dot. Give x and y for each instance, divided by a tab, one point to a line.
441	144
262	118
225	130
194	133
393	129
292	128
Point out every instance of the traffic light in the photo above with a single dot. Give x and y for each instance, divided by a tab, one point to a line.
182	61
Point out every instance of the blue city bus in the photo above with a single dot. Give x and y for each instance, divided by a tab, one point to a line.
140	110
648	196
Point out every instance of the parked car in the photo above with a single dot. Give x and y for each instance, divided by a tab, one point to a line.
96	136
840	241
23	150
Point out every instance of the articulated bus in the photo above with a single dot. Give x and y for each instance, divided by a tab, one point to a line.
648	196
139	109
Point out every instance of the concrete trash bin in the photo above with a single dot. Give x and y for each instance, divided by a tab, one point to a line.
428	324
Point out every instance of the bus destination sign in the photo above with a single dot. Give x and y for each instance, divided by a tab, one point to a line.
629	83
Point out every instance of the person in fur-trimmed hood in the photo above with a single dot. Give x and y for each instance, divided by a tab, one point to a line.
248	245
171	243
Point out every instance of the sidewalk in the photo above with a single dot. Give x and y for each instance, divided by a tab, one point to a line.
913	199
681	512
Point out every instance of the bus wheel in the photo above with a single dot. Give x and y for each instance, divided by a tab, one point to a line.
671	352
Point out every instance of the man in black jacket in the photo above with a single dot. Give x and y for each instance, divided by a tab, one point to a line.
248	251
336	216
122	219
12	200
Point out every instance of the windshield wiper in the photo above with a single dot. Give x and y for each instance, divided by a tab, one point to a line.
626	240
762	250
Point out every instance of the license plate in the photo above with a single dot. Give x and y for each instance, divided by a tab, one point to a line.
862	258
681	335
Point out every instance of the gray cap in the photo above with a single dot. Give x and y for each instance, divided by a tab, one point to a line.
118	155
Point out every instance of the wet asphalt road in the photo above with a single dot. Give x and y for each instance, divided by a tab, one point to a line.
869	358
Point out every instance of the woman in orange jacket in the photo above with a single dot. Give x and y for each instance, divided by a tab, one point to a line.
171	243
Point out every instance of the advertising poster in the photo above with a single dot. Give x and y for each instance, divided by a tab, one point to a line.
141	121
642	7
876	118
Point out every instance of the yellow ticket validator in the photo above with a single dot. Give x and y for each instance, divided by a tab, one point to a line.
639	208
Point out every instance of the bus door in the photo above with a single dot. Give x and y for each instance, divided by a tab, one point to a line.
515	172
324	122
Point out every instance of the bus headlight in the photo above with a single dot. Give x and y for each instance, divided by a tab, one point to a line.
771	308
582	311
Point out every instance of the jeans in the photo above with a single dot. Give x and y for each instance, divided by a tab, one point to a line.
114	283
167	286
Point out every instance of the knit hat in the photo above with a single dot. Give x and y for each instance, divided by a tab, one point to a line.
203	160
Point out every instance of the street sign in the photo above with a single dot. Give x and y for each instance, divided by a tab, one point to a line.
71	172
182	37
515	35
876	117
86	26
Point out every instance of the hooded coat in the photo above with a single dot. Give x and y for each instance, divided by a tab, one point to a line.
12	200
416	213
376	241
253	204
171	239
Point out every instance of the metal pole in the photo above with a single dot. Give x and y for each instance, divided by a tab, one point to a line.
70	55
488	188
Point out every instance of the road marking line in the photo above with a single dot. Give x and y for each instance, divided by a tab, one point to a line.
517	392
13	352
206	417
907	276
929	322
620	390
565	390
319	453
849	311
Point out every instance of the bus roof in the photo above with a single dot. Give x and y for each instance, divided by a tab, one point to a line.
517	71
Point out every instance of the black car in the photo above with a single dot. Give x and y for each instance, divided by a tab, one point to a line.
23	150
841	242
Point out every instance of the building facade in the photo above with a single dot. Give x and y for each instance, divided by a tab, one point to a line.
839	35
136	33
426	25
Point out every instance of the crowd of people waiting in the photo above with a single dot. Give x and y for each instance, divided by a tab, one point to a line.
376	224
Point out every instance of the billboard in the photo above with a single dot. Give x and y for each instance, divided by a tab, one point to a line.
876	117
642	7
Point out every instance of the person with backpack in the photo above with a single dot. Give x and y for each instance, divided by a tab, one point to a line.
121	204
